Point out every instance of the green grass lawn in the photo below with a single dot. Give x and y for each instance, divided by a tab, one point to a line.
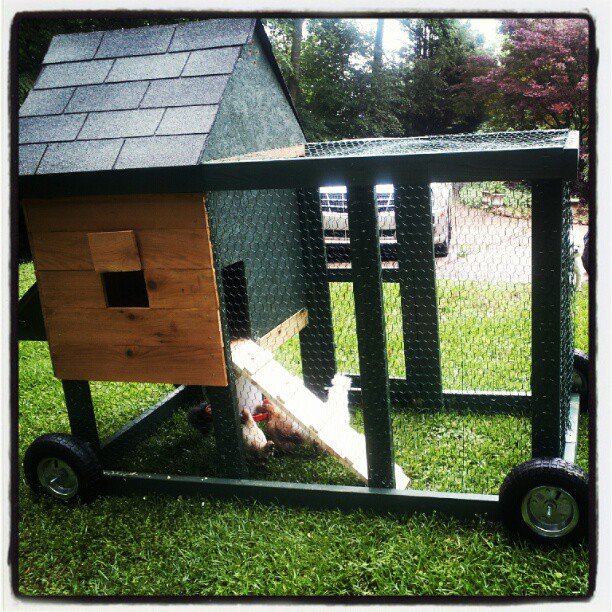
156	545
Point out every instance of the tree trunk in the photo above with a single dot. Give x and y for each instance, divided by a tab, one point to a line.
378	48
296	52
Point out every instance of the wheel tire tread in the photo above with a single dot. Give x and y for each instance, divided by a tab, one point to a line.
79	454
533	473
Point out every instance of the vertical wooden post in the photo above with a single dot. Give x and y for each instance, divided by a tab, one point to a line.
226	412
81	412
417	277
547	435
228	430
371	335
224	403
317	338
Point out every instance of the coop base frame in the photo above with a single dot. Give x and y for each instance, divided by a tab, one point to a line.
381	500
345	498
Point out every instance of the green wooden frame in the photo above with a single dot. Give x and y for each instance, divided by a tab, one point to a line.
371	335
417	283
381	500
30	323
548	168
317	338
548	316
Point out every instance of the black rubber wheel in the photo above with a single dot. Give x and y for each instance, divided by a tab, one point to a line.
63	467
545	500
580	381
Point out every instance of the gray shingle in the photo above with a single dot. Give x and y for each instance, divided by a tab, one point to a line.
136	98
29	156
163	66
45	102
73	73
161	151
49	129
211	33
212	61
188	120
118	124
135	41
80	156
73	47
185	92
116	96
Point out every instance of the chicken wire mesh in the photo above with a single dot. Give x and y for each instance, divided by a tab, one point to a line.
482	242
283	265
452	143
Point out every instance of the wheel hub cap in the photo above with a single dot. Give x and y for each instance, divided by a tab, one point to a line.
550	511
57	478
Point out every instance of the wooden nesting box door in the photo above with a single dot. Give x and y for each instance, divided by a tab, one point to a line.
128	289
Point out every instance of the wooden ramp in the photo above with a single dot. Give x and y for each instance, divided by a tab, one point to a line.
291	397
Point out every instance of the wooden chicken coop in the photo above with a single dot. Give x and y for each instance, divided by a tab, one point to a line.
174	216
137	270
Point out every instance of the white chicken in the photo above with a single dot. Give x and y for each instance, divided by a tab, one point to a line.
338	401
258	448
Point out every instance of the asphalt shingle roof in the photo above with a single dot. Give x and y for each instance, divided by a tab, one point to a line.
136	98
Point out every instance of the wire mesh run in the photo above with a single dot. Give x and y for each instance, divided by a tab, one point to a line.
482	247
456	268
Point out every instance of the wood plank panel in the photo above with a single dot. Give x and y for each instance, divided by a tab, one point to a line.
164	249
114	213
182	288
114	251
172	249
159	364
165	288
60	251
137	326
77	288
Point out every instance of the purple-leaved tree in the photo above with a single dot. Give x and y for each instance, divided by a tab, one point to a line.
539	80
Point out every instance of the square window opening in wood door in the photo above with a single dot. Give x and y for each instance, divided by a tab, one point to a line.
125	289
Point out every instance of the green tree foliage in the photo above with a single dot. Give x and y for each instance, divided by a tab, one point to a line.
348	91
437	50
345	88
331	74
539	81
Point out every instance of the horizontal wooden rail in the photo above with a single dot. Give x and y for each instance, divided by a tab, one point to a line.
470	399
302	172
463	505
